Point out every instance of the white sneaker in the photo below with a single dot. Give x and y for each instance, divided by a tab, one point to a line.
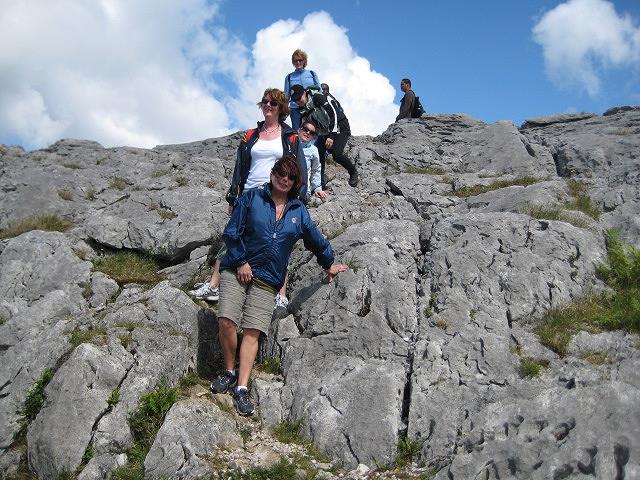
202	291
280	301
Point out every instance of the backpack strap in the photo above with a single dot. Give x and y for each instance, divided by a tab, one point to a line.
314	76
288	82
248	135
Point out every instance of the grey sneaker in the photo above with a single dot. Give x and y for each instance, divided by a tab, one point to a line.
242	402
202	291
223	383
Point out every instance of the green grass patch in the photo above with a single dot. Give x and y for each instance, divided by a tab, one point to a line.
90	194
283	470
532	367
407	451
582	200
72	166
425	170
114	398
34	401
118	183
48	222
270	365
289	432
164	213
128	267
595	358
93	335
472	190
603	311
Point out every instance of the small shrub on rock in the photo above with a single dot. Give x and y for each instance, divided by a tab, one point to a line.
407	451
531	367
582	200
34	401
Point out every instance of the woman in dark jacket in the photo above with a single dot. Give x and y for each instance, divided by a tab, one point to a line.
264	227
256	154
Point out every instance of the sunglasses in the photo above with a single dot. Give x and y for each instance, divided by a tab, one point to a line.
306	130
296	60
281	174
273	103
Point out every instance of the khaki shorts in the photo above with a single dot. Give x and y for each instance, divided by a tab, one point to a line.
253	303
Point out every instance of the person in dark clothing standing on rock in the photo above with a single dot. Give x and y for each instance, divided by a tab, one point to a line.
264	227
408	102
333	128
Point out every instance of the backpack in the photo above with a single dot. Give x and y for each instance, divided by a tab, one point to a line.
317	115
418	109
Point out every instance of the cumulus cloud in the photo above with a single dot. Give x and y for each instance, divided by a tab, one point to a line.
115	71
162	71
366	95
582	37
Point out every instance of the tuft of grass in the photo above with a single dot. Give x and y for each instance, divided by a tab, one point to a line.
531	367
553	213
160	172
125	341
50	222
118	183
164	213
425	170
407	451
442	324
270	365
128	267
90	335
470	191
34	401
595	358
283	470
145	422
72	165
65	194
182	181
604	311
90	194
114	398
582	200
289	432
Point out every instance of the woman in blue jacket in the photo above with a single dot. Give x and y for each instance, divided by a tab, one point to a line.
300	76
264	227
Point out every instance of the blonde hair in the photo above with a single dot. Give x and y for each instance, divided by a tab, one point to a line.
283	104
300	53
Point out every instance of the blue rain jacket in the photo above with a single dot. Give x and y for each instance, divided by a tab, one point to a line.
253	236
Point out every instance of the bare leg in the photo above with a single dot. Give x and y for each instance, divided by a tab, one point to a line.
228	338
248	351
214	282
283	289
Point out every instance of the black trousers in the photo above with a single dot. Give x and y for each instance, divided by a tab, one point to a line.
337	150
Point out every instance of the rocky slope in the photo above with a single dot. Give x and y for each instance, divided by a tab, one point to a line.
422	338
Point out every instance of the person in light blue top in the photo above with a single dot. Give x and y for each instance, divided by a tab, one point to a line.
300	76
307	134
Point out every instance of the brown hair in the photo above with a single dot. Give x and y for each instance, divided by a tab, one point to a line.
283	104
299	53
288	165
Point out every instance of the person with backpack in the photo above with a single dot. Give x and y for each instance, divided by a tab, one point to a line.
300	76
332	125
265	225
256	155
408	102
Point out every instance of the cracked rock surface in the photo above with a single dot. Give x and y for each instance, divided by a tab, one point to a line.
423	336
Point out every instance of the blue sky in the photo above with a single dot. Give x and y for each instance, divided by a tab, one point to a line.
462	56
150	72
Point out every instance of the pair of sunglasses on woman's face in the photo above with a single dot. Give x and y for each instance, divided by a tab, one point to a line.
306	130
281	174
265	101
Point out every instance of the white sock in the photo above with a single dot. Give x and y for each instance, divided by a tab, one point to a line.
232	372
242	387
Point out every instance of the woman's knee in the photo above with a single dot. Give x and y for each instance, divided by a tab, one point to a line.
225	324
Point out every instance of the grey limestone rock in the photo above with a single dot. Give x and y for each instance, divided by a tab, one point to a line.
101	466
76	400
102	289
190	433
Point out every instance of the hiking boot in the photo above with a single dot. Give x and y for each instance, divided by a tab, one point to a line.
242	402
202	291
224	382
353	179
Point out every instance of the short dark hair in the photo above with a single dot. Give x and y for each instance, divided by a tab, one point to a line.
288	165
407	81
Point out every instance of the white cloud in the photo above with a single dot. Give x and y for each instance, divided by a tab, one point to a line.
580	37
114	71
162	71
366	95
